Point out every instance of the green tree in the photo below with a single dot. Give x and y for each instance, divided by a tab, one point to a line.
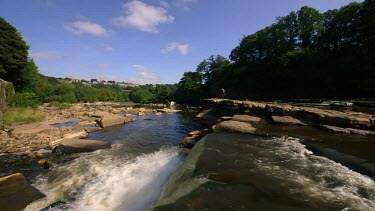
13	53
141	95
29	79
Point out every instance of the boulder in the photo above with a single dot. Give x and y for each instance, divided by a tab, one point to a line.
287	120
236	126
141	113
68	146
111	120
99	114
16	193
92	129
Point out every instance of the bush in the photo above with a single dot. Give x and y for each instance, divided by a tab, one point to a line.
24	115
24	99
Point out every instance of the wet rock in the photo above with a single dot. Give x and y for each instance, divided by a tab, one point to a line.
127	115
140	113
195	133
44	163
287	120
158	113
111	120
236	126
68	146
16	193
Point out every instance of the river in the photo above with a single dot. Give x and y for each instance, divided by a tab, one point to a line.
131	174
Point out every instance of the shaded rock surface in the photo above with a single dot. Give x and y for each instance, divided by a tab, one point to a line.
16	193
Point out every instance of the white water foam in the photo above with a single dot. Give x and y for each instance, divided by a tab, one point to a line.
315	180
101	181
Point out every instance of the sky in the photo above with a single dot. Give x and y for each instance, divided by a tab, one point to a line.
139	41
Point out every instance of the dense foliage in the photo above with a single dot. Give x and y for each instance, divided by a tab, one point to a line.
13	54
305	54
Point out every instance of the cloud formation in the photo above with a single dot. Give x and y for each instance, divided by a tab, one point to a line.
45	55
144	76
181	48
143	16
87	27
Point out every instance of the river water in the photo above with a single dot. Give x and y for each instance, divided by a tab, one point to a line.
131	174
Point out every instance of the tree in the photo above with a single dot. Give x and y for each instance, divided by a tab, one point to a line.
29	79
189	88
13	53
141	95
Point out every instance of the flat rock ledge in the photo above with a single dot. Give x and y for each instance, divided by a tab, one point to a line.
351	122
236	126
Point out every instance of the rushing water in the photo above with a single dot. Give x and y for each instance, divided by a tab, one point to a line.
129	176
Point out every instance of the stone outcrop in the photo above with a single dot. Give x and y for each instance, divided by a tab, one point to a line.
314	116
16	193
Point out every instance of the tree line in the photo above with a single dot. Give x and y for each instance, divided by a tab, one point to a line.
305	54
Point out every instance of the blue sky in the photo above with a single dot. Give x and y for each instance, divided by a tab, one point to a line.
139	41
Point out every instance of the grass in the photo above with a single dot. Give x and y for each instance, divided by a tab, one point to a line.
21	115
59	105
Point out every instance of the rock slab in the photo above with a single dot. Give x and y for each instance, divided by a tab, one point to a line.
16	193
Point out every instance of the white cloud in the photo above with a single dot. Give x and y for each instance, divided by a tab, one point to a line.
143	16
87	27
108	48
182	48
45	55
144	76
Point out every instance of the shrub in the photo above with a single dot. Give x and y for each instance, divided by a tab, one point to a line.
24	99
